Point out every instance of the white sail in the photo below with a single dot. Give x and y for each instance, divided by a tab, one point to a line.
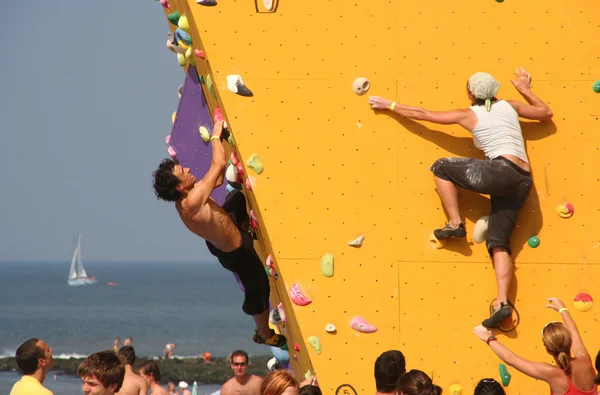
73	269
80	270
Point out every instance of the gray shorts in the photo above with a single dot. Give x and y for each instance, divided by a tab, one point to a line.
507	184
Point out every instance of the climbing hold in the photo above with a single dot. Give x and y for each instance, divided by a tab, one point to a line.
229	188
233	158
170	46
204	134
307	375
298	296
248	184
168	139
218	116
254	163
330	328
280	353
183	24
437	242
504	375
236	85
268	4
182	37
499	1
181	60
240	168
165	3
455	389
360	324
201	79
269	262
533	241
199	53
180	90
174	18
583	302
189	56
565	210
361	86
209	85
208	3
315	342
231	140
173	116
173	45
297	347
480	229
357	242
172	152
596	86
253	220
327	264
274	317
281	311
231	174
271	364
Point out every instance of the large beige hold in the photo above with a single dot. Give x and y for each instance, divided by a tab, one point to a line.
480	230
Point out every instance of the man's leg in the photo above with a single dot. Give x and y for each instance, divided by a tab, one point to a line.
262	324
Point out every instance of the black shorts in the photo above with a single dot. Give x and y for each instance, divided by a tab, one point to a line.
507	184
244	261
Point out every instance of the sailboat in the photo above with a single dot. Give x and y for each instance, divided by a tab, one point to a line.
77	273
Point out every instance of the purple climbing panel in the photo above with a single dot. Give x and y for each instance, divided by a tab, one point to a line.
192	113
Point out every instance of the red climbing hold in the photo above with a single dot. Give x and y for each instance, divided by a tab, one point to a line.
199	53
218	114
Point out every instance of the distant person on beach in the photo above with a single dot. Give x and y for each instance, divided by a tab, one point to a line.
128	341
241	382
183	386
133	384
168	351
34	359
150	372
117	344
102	373
172	387
226	229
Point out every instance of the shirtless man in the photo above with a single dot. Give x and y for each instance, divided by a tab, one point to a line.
102	373
150	372
225	229
241	383
133	384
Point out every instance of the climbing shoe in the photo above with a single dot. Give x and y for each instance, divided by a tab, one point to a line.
498	316
275	340
448	231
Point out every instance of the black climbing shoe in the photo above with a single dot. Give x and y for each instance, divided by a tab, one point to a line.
498	316
448	231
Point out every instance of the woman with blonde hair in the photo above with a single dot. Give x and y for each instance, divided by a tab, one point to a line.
572	375
279	382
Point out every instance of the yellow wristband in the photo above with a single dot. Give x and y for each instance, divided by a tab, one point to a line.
563	309
214	137
393	105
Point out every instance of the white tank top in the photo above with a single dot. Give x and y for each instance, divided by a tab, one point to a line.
498	132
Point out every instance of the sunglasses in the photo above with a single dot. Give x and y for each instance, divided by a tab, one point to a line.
239	363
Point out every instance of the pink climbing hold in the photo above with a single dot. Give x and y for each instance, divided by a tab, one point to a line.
270	261
234	158
360	324
168	139
199	53
253	220
218	116
165	3
248	185
281	312
298	296
240	168
296	347
172	152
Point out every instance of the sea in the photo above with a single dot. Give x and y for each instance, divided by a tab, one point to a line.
197	306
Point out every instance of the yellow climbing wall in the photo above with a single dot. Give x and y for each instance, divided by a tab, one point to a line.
335	170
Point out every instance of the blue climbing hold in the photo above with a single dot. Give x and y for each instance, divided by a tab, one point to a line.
280	355
180	35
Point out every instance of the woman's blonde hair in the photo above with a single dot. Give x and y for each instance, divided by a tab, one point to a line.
275	383
558	343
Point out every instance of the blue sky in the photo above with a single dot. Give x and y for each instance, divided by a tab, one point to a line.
87	89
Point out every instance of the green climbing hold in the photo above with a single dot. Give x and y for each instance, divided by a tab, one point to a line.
315	342
307	375
210	86
174	18
504	375
230	140
327	265
268	270
596	86
201	79
533	241
499	1
254	164
285	347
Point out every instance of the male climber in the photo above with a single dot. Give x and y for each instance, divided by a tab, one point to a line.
225	229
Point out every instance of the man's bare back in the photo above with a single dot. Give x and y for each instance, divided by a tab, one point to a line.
212	223
133	385
233	387
157	390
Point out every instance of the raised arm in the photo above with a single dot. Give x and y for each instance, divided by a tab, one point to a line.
463	117
537	370
201	192
536	108
577	346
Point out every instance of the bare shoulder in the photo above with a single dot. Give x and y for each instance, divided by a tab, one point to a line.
227	387
256	379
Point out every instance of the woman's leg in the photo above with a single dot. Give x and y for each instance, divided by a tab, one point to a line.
449	195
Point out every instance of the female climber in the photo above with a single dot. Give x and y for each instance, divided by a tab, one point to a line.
504	174
572	375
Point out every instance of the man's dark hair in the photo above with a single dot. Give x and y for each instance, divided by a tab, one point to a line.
106	366
310	390
165	182
127	354
238	353
489	387
389	366
28	355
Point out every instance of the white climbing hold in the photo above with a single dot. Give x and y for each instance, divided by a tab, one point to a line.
357	242
231	174
236	85
330	328
172	152
168	139
361	86
480	230
359	125
204	134
268	4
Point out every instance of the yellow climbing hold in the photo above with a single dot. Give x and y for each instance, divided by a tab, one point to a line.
254	164
315	343
173	116
455	389
181	60
190	57
183	24
204	134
